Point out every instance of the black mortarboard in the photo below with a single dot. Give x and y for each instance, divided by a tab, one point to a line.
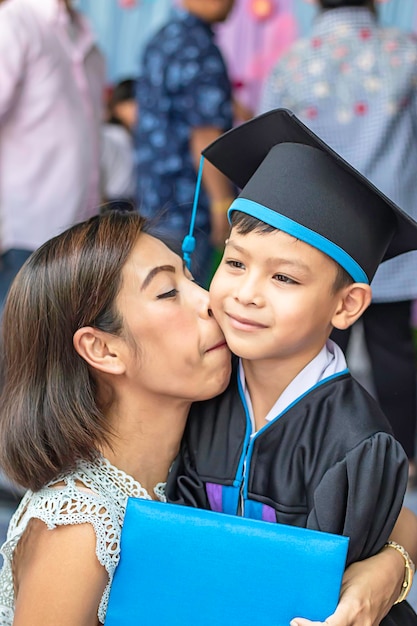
293	181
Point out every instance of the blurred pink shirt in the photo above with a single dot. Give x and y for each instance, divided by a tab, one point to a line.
51	93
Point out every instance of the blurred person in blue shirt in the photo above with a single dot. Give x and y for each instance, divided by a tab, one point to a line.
184	99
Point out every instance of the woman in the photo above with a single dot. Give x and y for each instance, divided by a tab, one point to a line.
107	341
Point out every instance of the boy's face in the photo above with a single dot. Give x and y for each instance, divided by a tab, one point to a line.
272	296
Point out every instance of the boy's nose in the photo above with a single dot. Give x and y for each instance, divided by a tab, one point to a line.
247	292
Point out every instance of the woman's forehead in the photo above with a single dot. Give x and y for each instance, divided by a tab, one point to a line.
149	257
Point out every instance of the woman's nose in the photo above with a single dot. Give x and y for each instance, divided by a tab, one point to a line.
203	301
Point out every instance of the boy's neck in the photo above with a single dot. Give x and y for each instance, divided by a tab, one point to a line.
267	379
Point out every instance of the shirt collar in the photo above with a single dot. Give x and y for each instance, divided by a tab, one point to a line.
50	9
328	21
55	11
329	362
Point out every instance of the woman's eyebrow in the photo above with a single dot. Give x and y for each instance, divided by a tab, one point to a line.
154	271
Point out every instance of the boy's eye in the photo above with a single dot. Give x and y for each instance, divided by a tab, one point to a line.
284	279
168	294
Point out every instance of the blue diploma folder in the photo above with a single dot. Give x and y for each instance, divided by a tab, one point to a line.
187	567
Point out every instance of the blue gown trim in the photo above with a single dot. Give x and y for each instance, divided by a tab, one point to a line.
258	434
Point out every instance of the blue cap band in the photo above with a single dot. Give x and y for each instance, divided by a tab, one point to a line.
303	233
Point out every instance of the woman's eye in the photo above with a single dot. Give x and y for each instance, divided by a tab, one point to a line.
168	294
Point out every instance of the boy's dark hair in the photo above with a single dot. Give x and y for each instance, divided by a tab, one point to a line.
50	415
246	224
123	91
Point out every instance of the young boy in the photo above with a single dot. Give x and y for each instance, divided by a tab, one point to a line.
295	439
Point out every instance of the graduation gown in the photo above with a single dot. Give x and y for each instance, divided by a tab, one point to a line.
329	462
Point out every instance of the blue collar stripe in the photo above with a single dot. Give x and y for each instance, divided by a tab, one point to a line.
300	232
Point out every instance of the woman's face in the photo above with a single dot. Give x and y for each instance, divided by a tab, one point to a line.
174	347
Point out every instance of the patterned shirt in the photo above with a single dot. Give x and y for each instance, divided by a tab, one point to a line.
184	84
355	85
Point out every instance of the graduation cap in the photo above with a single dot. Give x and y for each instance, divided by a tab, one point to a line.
293	181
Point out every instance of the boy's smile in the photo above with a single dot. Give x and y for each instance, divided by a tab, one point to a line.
242	323
272	295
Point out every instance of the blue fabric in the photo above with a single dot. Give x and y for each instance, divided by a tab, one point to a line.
184	84
10	263
201	568
354	84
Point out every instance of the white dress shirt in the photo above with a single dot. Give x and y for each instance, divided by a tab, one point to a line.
51	94
329	362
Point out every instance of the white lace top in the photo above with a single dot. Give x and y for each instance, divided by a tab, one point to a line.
95	493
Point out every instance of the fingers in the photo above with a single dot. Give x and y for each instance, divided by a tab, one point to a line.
330	621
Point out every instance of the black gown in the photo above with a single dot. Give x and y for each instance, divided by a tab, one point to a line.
329	462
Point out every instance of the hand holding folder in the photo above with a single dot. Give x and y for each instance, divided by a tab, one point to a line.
187	567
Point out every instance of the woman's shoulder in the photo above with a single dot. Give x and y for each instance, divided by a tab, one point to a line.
83	496
89	497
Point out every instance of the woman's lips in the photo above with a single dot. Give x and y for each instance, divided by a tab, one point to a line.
221	344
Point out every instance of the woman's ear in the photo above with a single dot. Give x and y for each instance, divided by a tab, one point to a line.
354	300
99	350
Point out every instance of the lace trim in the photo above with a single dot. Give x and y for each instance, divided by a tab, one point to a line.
124	482
6	616
103	506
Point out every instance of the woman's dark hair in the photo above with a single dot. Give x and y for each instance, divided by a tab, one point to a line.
49	413
246	224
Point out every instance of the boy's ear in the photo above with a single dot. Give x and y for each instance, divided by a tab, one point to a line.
354	300
99	350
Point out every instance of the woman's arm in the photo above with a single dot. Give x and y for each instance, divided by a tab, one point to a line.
58	577
405	532
370	587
